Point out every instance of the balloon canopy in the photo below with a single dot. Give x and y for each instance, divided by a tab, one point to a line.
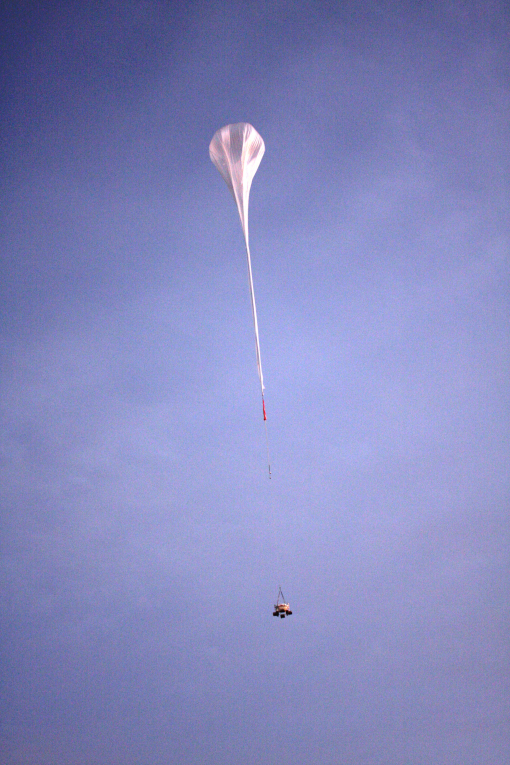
236	150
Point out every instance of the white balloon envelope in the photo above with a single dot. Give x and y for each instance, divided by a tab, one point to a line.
237	150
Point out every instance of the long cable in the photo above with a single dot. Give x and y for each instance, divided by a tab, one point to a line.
267	438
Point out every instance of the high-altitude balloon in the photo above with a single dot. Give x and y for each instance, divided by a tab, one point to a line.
237	150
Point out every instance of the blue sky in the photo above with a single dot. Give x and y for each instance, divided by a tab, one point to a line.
142	542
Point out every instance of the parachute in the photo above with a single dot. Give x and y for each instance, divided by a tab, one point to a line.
236	150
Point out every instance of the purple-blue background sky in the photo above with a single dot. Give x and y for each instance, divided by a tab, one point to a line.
143	543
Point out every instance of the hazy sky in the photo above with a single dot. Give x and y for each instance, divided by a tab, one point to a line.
142	541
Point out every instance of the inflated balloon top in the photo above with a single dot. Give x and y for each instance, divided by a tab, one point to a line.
237	150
